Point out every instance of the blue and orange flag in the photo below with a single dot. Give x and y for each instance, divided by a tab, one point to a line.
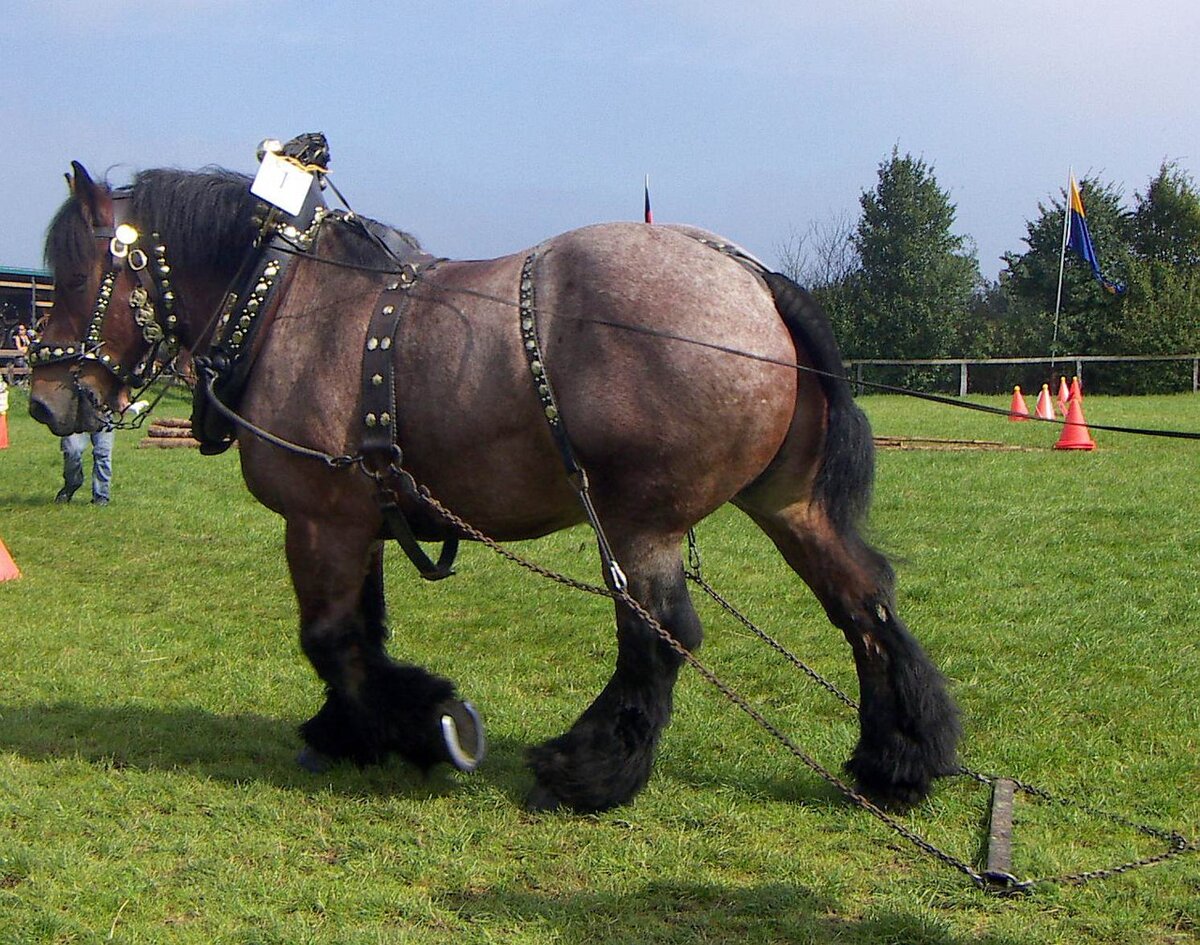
1080	239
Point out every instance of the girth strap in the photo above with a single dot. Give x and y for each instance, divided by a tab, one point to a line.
398	528
380	448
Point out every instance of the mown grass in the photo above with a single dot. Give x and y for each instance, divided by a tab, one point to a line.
150	685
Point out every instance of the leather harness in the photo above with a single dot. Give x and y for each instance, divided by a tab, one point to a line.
249	307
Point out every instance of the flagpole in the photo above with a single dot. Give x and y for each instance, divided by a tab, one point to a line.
1062	260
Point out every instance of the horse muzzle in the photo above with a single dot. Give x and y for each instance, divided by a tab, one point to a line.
65	410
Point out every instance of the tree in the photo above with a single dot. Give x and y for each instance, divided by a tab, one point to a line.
1089	317
1164	274
1166	220
916	279
822	256
824	261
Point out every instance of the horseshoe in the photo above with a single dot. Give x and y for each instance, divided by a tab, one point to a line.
462	732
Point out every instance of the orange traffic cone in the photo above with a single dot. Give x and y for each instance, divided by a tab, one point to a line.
1075	435
8	568
1045	408
1076	389
1064	394
1019	410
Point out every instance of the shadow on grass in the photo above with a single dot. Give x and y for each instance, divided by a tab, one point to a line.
678	912
801	787
231	748
32	501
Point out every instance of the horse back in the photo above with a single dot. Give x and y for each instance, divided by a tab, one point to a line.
668	360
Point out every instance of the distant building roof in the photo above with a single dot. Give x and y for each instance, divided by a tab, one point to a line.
10	271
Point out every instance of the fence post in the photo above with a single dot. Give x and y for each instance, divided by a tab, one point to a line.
962	379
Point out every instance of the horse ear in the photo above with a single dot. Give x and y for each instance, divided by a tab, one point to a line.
90	195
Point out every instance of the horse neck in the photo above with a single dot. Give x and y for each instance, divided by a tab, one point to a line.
199	297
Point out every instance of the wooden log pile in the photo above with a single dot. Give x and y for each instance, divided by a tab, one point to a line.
169	433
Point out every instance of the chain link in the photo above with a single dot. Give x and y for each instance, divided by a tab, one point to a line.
1177	843
624	597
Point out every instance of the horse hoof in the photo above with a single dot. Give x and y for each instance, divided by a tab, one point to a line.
462	733
313	761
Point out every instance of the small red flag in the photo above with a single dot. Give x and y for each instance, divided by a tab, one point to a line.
649	215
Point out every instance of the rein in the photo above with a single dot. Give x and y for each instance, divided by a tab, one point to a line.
438	291
993	878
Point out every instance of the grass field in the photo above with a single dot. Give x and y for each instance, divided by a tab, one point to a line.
151	683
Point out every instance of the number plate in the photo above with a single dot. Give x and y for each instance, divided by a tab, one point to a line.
281	183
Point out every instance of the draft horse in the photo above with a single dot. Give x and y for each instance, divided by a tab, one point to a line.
685	374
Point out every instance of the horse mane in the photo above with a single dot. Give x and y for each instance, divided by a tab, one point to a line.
205	218
69	242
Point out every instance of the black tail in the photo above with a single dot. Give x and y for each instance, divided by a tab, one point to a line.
843	485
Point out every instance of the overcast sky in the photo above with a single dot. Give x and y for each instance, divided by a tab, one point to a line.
486	127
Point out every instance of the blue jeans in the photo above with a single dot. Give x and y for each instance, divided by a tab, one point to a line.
72	450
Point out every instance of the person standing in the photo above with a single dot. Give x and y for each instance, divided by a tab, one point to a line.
72	450
20	340
102	446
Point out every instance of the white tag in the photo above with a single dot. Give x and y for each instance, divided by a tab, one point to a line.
282	183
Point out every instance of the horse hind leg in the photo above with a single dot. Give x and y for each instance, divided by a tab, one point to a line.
374	706
606	757
908	723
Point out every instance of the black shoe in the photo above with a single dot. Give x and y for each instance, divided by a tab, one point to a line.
63	496
99	500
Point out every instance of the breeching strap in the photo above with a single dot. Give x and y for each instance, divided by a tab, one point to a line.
576	474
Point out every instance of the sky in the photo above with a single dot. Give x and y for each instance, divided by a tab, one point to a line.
486	127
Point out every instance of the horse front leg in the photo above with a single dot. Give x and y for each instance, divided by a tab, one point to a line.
374	706
606	757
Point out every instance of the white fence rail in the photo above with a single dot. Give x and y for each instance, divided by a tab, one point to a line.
1077	360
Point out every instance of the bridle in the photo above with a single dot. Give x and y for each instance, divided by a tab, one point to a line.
151	301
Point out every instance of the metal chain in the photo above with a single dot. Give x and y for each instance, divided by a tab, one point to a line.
1177	844
692	573
624	597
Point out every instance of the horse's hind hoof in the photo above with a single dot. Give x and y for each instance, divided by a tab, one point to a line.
462	734
313	761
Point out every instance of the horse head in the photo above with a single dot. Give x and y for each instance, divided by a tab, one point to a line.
81	360
117	307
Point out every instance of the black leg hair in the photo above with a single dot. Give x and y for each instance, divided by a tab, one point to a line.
908	724
606	757
374	706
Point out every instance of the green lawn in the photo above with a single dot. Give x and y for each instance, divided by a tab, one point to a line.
151	683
